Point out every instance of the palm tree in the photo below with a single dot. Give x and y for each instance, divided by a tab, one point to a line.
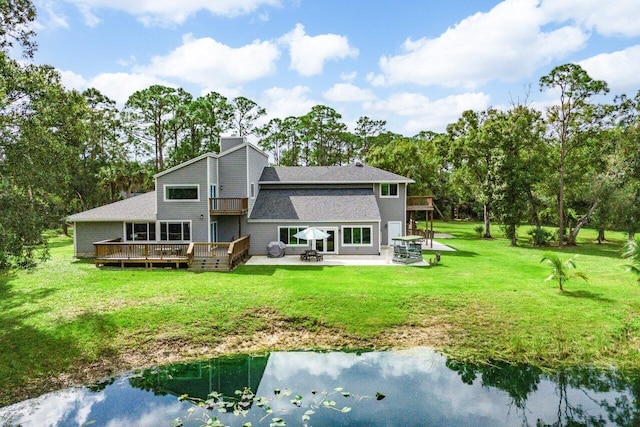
632	253
560	270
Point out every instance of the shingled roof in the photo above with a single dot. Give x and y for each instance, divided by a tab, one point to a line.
329	174
138	208
349	204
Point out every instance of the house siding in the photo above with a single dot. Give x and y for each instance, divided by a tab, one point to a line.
85	233
233	174
262	233
195	173
229	142
391	209
257	161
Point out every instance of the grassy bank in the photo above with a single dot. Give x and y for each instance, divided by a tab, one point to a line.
69	322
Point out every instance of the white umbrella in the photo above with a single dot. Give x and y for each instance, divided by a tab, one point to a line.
311	233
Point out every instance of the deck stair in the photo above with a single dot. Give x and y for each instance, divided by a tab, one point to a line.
210	264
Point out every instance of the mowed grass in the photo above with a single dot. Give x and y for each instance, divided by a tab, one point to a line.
68	321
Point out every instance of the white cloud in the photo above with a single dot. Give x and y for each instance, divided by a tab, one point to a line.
425	114
117	86
347	92
209	63
349	77
621	70
619	17
49	16
309	53
507	43
168	12
280	102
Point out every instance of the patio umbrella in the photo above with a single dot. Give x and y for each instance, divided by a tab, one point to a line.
311	233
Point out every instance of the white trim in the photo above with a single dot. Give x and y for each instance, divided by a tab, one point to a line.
174	221
404	211
390	196
336	239
324	221
246	163
124	230
290	245
209	232
358	245
115	220
407	181
239	146
164	193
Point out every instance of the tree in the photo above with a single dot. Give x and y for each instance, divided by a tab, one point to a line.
245	114
560	270
366	130
16	16
517	164
322	133
632	253
569	121
149	112
472	152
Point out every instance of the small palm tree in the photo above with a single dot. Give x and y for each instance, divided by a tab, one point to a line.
632	253
560	270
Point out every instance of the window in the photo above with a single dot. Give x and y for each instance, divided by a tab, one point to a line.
253	190
388	190
356	236
175	231
140	231
181	192
285	235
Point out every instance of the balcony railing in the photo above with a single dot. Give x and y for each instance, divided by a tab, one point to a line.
419	203
228	206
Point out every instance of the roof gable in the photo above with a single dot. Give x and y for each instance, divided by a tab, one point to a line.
138	208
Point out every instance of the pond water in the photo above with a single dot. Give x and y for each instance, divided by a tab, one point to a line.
410	387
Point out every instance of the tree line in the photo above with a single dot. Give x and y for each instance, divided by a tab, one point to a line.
64	151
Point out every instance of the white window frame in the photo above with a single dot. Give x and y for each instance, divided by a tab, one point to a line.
296	245
360	245
165	187
390	196
124	232
181	222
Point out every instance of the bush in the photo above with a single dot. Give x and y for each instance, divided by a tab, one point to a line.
479	229
540	236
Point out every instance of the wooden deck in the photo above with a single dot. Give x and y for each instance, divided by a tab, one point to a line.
228	206
220	256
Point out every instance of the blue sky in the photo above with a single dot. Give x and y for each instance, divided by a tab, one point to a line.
415	64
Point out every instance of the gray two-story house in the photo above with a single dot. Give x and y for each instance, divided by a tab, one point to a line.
220	198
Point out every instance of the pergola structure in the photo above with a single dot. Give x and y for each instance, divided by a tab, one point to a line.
416	204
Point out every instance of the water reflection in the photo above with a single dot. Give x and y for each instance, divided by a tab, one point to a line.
421	387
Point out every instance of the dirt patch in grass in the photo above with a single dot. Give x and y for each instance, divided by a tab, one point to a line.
276	333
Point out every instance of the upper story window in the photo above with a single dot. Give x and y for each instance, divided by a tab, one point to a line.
388	190
182	192
252	192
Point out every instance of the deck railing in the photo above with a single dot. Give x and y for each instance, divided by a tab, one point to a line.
228	206
116	251
420	202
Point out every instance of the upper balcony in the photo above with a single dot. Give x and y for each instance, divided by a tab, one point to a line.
419	203
228	206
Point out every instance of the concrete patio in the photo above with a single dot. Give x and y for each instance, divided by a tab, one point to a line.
384	259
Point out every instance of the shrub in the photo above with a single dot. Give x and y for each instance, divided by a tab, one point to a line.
540	236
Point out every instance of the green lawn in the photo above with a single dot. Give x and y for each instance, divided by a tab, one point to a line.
69	321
